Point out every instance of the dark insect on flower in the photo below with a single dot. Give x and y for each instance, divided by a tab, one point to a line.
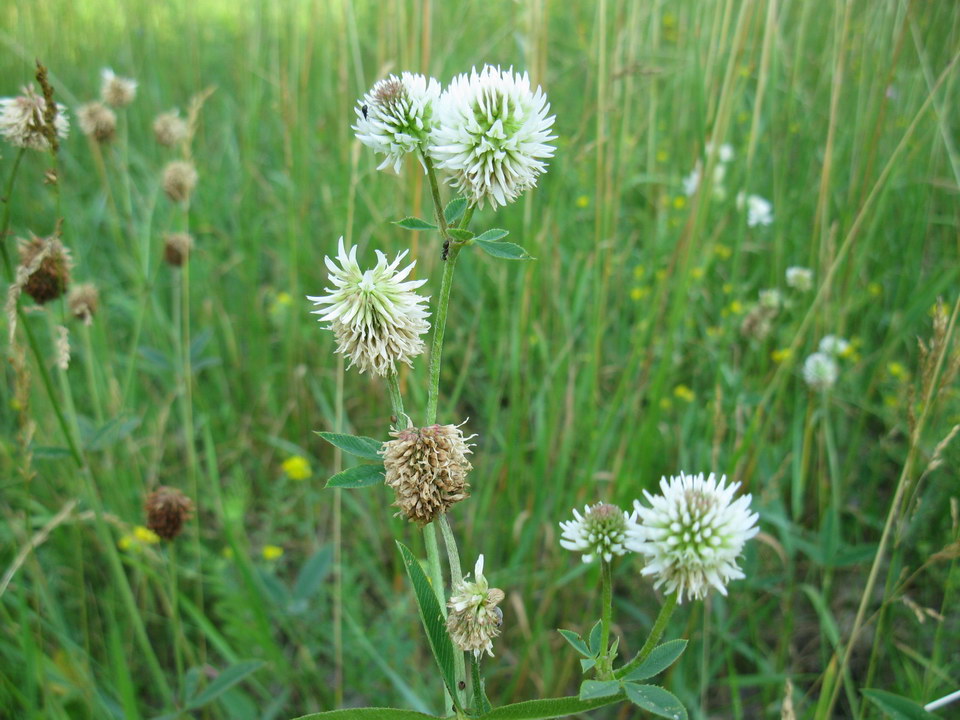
363	109
499	616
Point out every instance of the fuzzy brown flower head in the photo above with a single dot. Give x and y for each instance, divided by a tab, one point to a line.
167	510
474	619
84	300
179	180
169	128
177	247
97	121
23	120
115	90
48	263
427	469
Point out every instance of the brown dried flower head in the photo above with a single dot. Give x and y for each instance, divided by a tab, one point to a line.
177	247
48	265
97	121
169	128
474	619
115	90
179	180
167	510
427	469
84	300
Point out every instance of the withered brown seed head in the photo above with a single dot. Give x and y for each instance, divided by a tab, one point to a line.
427	469
177	247
179	180
387	91
98	121
167	510
50	279
84	300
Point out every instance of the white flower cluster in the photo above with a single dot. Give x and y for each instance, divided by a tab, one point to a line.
821	369
759	210
375	314
692	181
691	535
800	278
489	130
22	120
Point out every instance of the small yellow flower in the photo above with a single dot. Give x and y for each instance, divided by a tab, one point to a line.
713	331
794	128
735	307
272	552
684	393
778	356
937	309
723	251
662	156
666	403
297	467
227	552
669	20
891	401
697	273
679	202
875	289
583	201
638	271
743	117
639	293
897	370
727	288
15	404
660	275
145	535
126	542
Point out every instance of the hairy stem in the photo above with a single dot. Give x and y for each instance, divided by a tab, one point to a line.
655	634
604	668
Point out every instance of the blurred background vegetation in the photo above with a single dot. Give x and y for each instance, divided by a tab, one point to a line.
620	355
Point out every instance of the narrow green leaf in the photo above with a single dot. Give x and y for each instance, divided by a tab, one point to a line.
576	641
368	714
897	706
592	689
656	700
225	680
112	432
360	476
460	234
312	574
662	657
432	617
549	708
413	223
503	250
454	210
357	445
594	639
492	235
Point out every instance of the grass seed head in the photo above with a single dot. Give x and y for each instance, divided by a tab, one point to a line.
167	510
169	128
179	180
116	90
47	263
97	121
177	247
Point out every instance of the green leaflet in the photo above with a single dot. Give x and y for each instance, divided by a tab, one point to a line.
897	706
368	714
549	708
357	445
360	476
662	657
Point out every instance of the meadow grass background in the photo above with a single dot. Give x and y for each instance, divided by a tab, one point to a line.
616	357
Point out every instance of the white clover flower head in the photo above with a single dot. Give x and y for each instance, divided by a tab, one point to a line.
771	299
800	278
396	117
375	314
115	90
834	345
724	152
492	135
474	619
22	123
820	371
600	532
759	210
692	534
692	181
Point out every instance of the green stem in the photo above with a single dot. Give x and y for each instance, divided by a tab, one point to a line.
437	202
175	615
655	634
7	197
396	400
604	668
439	325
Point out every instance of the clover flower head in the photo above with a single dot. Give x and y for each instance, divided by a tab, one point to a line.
97	121
169	128
22	121
800	278
492	135
692	534
474	619
834	345
759	210
115	90
376	316
820	371
599	533
397	116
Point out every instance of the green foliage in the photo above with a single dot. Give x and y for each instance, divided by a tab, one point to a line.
655	700
897	707
361	447
359	476
660	658
414	223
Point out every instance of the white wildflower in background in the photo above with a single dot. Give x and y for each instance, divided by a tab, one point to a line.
834	345
397	116
115	90
492	135
97	121
21	120
169	128
759	210
375	314
724	152
771	299
820	371
692	534
599	532
691	182
800	278
474	619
